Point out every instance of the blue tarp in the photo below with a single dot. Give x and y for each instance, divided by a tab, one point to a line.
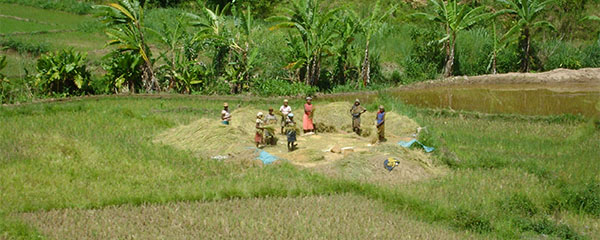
412	141
266	157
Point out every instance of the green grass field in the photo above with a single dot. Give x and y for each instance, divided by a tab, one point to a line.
507	179
82	33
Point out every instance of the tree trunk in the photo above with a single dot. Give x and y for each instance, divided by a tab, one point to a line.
366	68
525	50
307	73
317	70
450	59
312	70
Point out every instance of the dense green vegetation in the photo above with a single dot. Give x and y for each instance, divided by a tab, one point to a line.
215	47
219	48
507	178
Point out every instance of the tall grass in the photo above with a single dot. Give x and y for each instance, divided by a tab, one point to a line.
508	178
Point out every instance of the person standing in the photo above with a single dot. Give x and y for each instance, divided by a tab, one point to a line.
307	120
258	137
225	115
285	110
356	111
271	120
381	123
290	132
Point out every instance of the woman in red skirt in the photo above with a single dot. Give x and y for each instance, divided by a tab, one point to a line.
307	119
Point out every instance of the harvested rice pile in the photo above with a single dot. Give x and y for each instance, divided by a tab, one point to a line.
208	137
368	166
336	117
364	162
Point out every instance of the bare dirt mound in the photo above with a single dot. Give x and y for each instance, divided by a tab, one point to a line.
585	76
338	152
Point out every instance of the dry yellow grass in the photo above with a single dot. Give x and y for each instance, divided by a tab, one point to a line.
318	217
210	138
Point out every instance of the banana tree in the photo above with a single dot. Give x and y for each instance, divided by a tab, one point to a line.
125	22
371	25
315	29
174	37
243	55
526	13
348	26
499	44
454	17
212	31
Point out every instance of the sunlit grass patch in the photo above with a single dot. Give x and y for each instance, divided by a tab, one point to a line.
9	25
325	217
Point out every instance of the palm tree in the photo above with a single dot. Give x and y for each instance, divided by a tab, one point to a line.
454	17
126	30
526	13
315	30
372	25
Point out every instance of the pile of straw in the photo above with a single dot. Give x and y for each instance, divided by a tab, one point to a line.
334	117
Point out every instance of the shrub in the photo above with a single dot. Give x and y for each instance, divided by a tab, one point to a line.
63	72
23	47
472	52
508	59
559	54
592	55
123	70
426	59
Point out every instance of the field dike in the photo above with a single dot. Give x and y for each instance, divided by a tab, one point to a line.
334	151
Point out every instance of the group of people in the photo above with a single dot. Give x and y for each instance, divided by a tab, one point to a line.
265	135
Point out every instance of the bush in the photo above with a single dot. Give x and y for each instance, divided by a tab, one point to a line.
123	70
278	87
63	72
473	49
592	55
426	59
559	54
508	59
22	47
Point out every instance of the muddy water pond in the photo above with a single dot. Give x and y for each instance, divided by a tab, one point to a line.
529	99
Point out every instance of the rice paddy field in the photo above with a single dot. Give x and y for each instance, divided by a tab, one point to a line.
163	167
91	168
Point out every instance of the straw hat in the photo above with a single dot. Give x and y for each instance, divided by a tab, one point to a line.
357	101
308	98
225	105
380	106
260	114
285	100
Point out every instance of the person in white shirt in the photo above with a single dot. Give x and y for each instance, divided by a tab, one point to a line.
285	109
225	115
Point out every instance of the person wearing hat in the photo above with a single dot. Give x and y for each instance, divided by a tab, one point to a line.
381	123
356	111
270	119
258	137
285	109
290	132
307	119
225	115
